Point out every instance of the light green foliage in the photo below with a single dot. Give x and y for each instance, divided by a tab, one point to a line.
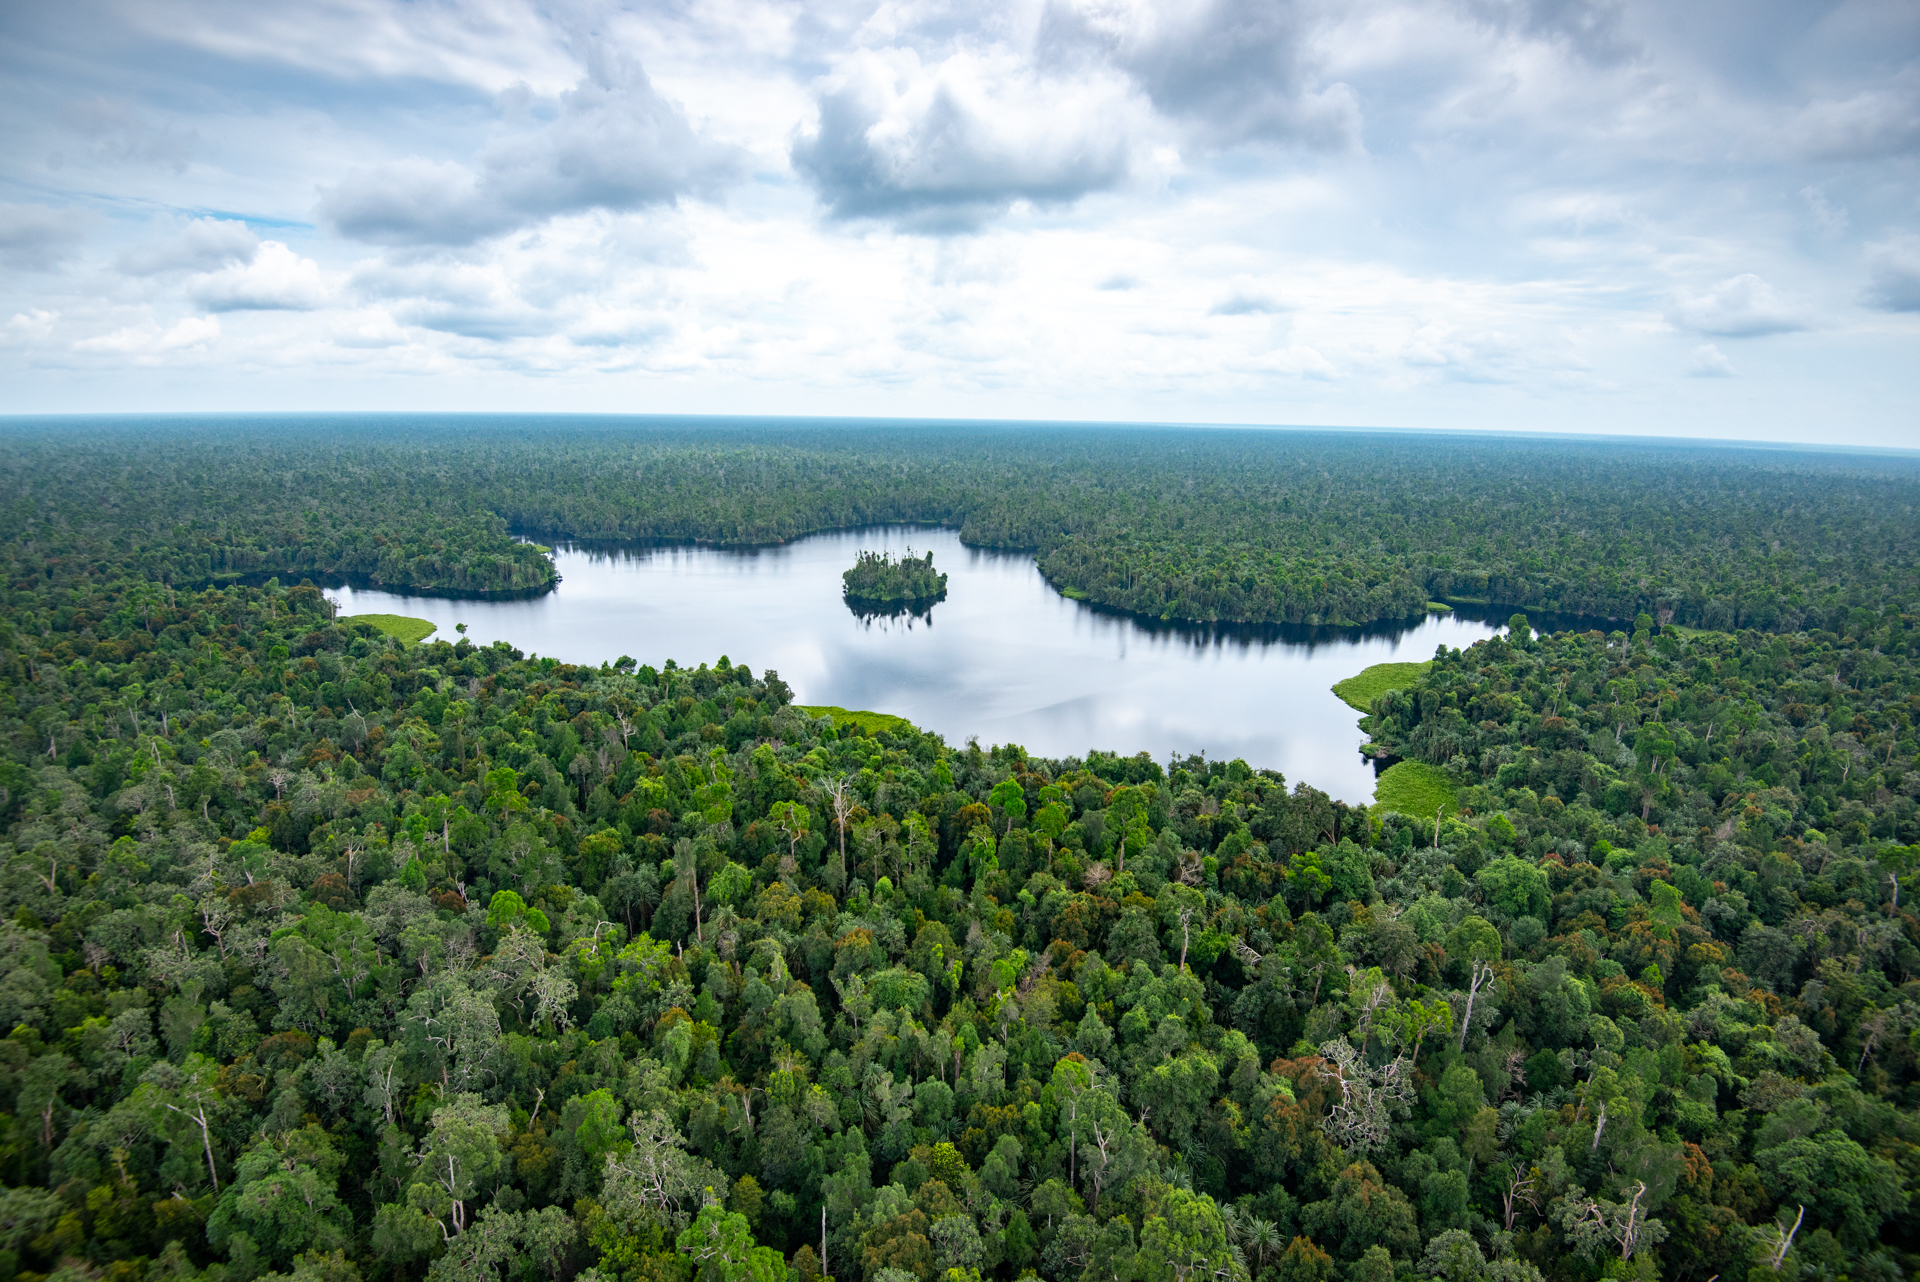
1362	688
867	723
399	626
721	1244
1515	887
458	1158
507	909
1413	788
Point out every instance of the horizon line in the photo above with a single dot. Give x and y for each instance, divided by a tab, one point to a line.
9	418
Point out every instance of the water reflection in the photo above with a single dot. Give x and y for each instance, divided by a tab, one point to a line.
900	612
1011	660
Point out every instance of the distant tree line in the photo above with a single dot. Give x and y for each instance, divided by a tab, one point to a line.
1219	525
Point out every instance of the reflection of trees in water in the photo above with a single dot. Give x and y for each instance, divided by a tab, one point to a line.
895	614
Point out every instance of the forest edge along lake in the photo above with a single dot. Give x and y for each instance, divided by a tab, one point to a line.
1004	657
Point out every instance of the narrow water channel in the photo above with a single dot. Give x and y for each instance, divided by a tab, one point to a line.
1004	657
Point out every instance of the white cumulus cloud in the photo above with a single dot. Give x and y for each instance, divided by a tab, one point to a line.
613	143
1894	267
1708	361
1742	306
274	279
951	142
201	245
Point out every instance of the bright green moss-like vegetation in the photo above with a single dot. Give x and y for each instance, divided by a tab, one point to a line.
870	723
400	626
1361	689
1413	788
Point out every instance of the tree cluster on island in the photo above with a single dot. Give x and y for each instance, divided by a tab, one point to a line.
877	579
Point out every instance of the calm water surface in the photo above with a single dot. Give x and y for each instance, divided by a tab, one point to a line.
1004	657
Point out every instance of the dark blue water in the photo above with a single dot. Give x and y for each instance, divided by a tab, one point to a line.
1004	657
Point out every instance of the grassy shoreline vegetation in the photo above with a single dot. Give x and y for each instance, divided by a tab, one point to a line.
332	958
868	723
1362	688
401	627
876	578
1414	788
1290	527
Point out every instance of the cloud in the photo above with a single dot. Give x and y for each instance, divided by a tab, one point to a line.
1709	362
203	245
615	144
947	145
1462	355
119	132
38	238
1244	303
468	300
274	279
1894	273
1229	71
1742	306
619	329
150	340
1883	121
413	201
1833	219
26	328
1591	29
1119	282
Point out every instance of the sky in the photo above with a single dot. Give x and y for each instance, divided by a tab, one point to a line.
1693	219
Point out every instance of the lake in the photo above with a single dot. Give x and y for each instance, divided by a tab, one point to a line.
1003	657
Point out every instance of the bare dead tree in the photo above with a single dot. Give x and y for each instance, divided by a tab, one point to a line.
1481	972
1783	1241
1519	1192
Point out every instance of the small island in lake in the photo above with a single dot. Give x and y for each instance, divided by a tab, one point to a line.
877	579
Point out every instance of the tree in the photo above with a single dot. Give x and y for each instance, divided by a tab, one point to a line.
503	792
721	1244
1186	1242
840	800
455	1028
283	1196
1596	1225
1369	1097
655	1178
1362	1210
1302	1261
1011	800
39	1099
1515	887
188	1091
460	1154
793	819
508	1244
686	869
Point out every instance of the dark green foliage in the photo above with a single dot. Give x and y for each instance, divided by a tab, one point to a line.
1290	527
445	962
879	579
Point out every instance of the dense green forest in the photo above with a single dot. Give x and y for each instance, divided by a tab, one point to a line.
1292	527
332	957
877	577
